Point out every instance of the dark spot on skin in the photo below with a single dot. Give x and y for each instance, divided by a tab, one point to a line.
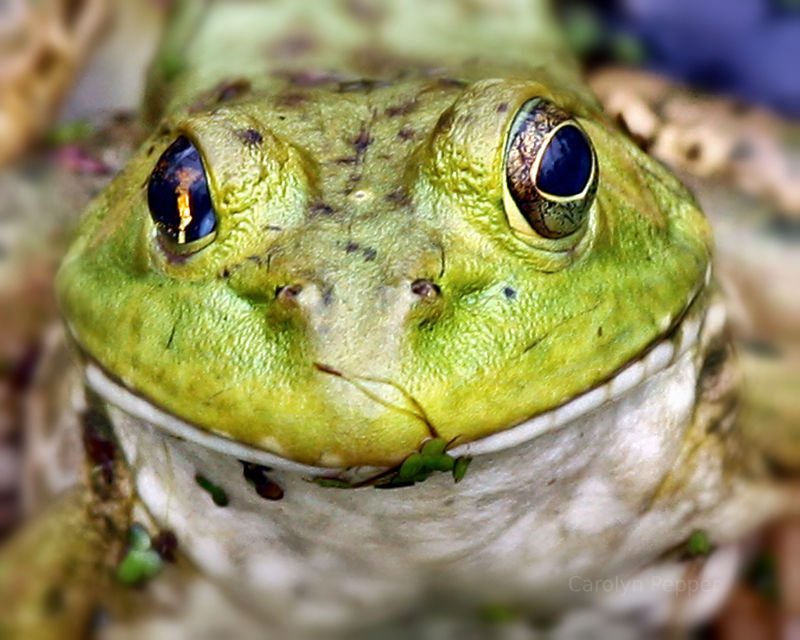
165	544
424	288
151	150
551	482
327	296
399	197
256	475
364	84
509	293
599	332
406	134
362	141
502	107
256	259
347	160
273	227
401	109
320	209
352	246
223	92
232	89
250	136
693	152
310	77
98	442
370	254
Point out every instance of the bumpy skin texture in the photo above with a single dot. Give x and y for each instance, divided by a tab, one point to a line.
362	181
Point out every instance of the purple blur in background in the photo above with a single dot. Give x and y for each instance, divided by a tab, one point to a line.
745	48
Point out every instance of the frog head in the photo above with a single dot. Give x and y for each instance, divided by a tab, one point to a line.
337	272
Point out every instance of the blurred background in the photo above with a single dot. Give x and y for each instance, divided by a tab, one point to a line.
710	87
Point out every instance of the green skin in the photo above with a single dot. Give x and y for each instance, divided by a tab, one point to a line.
356	191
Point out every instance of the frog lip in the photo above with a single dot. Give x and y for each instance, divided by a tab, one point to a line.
679	334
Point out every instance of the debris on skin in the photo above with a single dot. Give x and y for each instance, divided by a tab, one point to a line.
218	494
432	457
256	475
141	561
166	544
99	444
698	544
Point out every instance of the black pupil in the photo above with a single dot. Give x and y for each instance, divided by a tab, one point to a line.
178	196
566	164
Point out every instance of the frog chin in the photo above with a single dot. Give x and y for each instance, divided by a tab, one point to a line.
698	318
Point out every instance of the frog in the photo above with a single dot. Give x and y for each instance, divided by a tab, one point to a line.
371	234
739	161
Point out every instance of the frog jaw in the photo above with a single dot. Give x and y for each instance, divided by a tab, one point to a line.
678	339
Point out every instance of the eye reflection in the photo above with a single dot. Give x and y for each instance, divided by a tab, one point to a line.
179	199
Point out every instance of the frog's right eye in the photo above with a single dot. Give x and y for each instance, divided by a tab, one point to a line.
179	199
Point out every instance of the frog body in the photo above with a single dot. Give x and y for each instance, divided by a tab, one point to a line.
370	280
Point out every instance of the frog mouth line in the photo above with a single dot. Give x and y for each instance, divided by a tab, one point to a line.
677	338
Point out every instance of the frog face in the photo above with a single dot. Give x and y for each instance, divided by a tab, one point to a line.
336	273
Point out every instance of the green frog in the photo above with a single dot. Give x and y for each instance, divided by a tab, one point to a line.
397	246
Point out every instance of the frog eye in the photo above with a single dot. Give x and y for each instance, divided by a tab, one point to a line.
179	199
551	172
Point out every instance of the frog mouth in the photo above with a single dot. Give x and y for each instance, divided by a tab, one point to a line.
678	337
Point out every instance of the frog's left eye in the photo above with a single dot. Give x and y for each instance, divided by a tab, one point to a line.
551	172
179	199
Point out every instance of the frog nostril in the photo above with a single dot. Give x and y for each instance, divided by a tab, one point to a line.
424	288
288	293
